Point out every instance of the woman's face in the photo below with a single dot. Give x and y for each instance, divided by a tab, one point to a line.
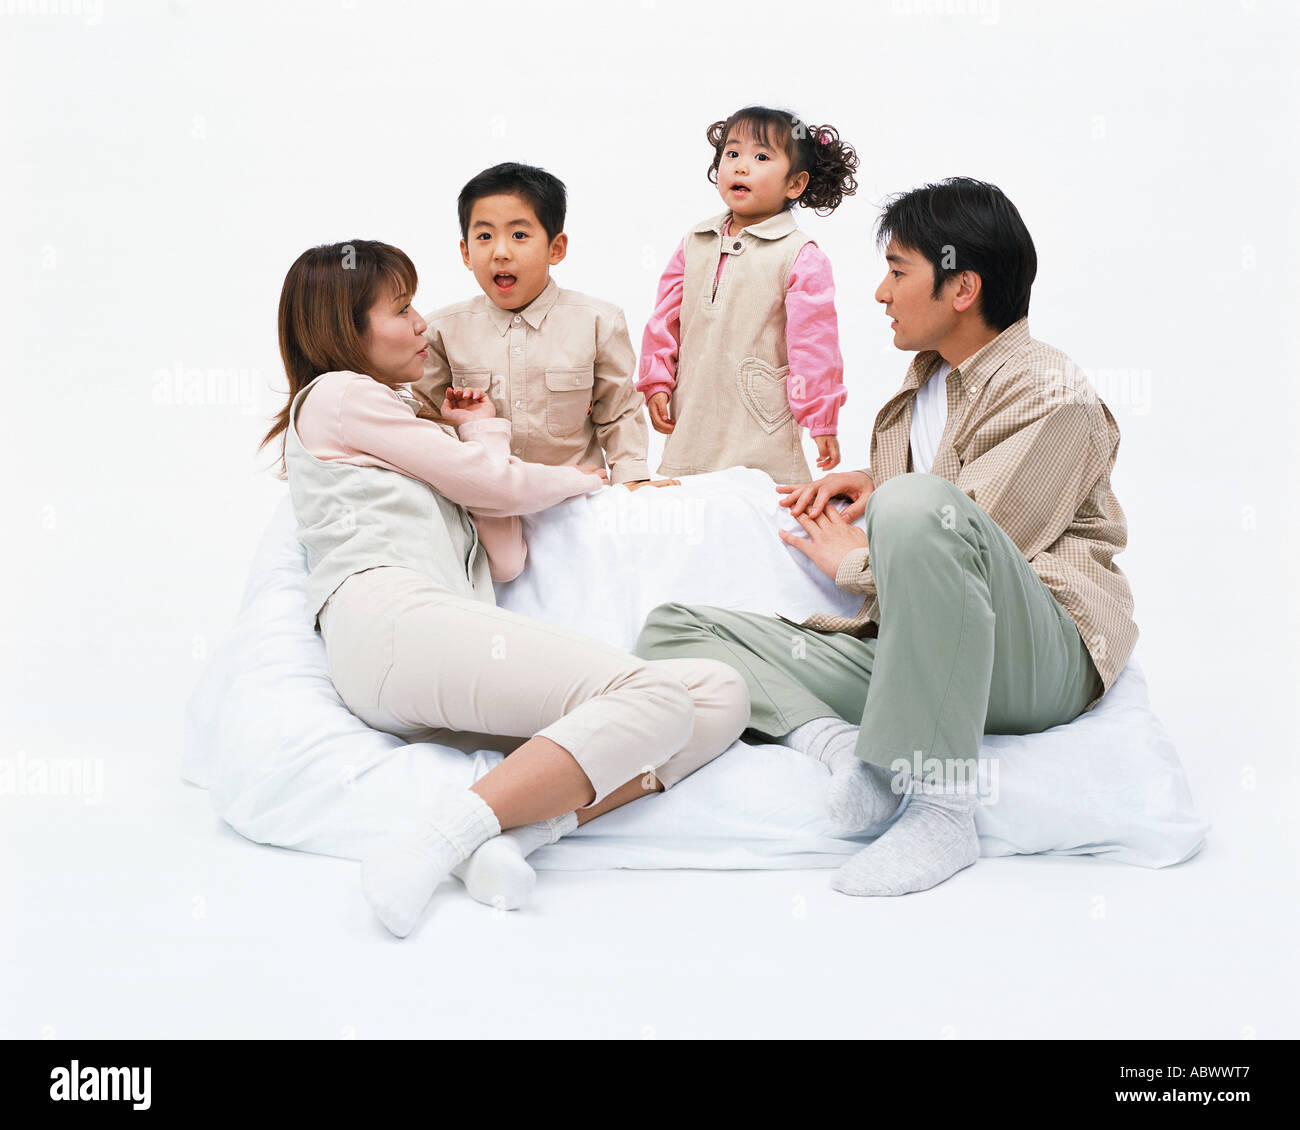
394	342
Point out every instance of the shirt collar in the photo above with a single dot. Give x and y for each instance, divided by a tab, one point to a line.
534	313
976	370
782	224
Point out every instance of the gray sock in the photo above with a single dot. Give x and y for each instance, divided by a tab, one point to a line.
860	794
932	840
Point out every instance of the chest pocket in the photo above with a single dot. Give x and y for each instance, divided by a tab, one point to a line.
568	398
471	378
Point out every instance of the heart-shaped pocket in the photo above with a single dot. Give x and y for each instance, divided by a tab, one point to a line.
762	388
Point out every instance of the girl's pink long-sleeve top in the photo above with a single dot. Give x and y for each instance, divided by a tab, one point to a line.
352	418
811	338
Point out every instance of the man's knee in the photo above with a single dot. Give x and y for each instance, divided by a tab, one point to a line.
910	507
664	624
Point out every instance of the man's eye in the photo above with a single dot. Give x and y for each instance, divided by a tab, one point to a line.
897	274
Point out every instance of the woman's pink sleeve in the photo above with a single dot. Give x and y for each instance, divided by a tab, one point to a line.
503	539
662	335
477	471
815	386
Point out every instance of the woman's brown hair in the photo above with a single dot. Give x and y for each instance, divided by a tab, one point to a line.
325	308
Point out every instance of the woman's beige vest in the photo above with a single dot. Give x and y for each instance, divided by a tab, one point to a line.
352	518
729	405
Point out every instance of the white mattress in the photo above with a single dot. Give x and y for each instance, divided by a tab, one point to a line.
288	764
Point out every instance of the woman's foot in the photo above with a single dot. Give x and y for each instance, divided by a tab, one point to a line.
498	873
400	876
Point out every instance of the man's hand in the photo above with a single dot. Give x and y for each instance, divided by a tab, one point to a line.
830	539
856	486
659	418
635	483
461	405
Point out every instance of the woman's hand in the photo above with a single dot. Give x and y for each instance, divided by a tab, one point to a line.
828	452
856	486
461	405
830	539
588	469
656	483
659	418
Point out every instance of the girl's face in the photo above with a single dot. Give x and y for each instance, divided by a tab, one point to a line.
394	341
754	179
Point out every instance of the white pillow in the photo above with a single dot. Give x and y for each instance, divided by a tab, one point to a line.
288	764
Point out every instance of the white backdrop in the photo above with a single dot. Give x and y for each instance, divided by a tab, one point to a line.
164	163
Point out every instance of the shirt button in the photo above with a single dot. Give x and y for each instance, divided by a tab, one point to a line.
518	319
735	247
516	351
519	403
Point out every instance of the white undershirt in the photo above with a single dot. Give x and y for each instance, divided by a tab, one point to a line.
929	414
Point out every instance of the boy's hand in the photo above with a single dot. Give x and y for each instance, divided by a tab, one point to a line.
659	418
828	452
856	486
461	405
657	483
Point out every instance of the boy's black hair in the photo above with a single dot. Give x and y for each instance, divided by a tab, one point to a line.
544	193
961	224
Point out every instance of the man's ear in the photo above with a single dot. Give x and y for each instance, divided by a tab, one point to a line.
464	253
969	288
559	248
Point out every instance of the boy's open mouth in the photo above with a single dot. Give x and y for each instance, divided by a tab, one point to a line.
504	282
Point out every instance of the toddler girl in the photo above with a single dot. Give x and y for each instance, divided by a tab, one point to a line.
742	348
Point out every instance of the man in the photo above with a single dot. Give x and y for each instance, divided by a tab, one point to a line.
991	601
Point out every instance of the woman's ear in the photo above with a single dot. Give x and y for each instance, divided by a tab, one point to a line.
559	248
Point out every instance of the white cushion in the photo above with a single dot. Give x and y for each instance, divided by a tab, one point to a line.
288	764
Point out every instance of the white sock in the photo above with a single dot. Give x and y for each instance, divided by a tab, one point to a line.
932	840
860	795
399	877
497	873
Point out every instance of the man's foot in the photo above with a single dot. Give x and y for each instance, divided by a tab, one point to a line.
860	795
931	841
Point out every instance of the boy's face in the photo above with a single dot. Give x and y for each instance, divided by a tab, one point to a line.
508	250
920	321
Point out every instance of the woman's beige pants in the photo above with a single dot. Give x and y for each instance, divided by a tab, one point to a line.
407	656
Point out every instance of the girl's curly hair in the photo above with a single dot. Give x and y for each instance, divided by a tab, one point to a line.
817	150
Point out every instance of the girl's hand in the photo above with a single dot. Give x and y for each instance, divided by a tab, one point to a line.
461	405
856	486
828	452
659	418
588	469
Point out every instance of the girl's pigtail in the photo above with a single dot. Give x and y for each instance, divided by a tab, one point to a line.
831	169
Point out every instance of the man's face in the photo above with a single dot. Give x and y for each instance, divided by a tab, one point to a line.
508	250
918	320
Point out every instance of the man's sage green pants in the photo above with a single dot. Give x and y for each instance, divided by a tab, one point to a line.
970	641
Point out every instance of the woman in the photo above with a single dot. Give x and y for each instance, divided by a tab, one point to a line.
406	523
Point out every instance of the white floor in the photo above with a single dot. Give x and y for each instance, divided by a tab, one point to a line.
144	916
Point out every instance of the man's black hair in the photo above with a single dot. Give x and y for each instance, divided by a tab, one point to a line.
962	224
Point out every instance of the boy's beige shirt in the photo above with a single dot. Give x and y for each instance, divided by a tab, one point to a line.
561	370
1027	439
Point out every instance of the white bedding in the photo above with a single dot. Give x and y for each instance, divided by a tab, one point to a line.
288	764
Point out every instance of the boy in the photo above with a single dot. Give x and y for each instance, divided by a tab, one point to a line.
557	364
986	566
